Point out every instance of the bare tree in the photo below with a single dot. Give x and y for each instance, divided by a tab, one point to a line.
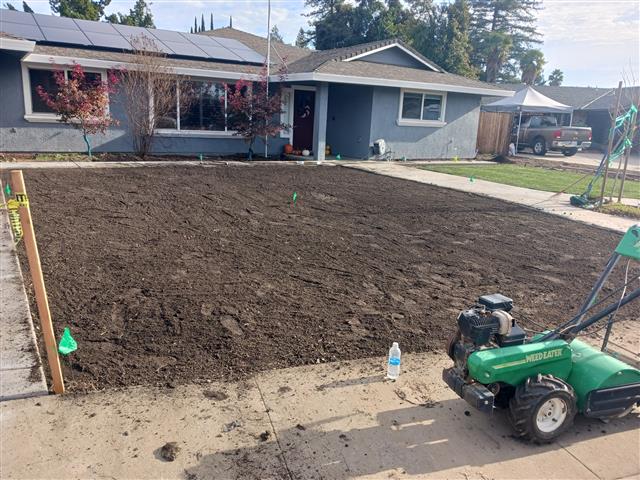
150	93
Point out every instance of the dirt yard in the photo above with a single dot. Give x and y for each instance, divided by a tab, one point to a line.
171	275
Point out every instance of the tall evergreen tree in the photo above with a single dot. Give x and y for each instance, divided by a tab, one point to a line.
139	16
211	23
202	25
275	34
556	77
190	29
195	24
82	9
26	7
502	30
458	55
9	6
301	39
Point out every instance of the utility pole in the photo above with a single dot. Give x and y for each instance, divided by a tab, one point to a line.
268	69
611	135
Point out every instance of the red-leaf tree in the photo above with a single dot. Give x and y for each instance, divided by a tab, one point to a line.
254	109
81	102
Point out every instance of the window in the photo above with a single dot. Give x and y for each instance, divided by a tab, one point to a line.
203	109
422	108
44	78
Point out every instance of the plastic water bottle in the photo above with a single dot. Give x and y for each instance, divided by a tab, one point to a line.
393	367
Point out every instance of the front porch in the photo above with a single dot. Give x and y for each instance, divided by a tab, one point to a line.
332	121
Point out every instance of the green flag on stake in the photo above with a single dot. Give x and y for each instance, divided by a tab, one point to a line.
295	197
7	189
67	343
471	179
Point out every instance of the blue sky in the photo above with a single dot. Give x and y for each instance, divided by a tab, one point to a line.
592	41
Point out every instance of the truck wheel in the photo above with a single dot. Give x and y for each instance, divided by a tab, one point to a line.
542	408
539	146
569	152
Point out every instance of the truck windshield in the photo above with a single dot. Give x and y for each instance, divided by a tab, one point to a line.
546	121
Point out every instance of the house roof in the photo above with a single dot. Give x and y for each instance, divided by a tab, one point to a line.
608	100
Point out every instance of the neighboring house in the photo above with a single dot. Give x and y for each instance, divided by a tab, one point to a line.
345	98
593	107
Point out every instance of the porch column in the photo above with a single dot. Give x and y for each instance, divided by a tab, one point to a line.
320	121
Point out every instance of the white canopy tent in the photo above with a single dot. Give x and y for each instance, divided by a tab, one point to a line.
527	100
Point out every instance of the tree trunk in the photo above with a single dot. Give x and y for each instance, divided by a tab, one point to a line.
86	141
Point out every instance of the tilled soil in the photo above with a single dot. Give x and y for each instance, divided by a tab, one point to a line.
171	275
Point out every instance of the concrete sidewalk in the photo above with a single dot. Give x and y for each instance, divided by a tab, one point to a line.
337	421
20	369
545	201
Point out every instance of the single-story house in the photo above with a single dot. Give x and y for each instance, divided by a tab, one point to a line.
593	107
344	98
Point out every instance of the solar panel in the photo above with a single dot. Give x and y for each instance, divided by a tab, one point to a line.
168	36
202	40
98	27
250	56
55	22
16	17
29	32
220	53
64	35
188	49
133	34
108	41
70	31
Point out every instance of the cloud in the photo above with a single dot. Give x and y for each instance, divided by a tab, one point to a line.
592	42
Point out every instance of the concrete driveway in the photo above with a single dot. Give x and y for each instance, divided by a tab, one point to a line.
334	421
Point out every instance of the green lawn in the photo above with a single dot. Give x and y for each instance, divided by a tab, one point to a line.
536	178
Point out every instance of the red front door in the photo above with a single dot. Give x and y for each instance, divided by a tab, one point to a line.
303	113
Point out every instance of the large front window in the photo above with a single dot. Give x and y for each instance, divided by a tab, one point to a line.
200	106
421	108
45	78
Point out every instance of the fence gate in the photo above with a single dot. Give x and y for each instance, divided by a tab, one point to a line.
494	132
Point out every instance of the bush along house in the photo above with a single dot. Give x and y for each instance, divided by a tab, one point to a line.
338	101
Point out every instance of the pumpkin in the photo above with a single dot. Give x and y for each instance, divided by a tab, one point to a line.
288	148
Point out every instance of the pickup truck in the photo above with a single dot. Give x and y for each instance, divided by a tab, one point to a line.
542	133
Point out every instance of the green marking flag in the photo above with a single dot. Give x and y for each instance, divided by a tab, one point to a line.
338	157
67	343
295	197
471	179
7	189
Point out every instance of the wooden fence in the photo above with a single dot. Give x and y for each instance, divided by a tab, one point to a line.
494	132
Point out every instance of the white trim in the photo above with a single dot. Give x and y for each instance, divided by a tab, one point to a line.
42	117
412	122
37	59
395	45
384	82
16	45
287	115
170	132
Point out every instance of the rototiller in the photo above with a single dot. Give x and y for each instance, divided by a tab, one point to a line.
545	379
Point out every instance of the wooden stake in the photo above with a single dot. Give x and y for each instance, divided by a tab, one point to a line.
627	152
29	238
611	135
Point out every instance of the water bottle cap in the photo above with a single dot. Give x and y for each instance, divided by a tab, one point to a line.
395	344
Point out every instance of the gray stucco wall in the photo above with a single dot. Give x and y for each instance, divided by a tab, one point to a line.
456	138
19	135
349	120
393	56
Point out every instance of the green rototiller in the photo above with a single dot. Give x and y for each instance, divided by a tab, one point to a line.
546	379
